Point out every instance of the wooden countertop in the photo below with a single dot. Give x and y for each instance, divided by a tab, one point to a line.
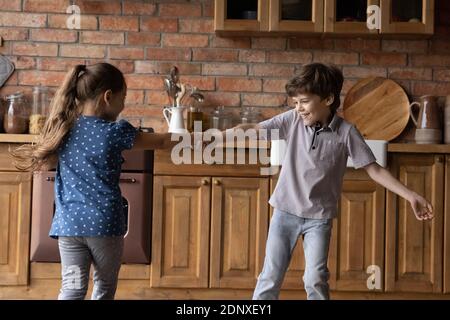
392	147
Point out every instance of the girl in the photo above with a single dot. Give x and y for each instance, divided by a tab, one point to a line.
83	137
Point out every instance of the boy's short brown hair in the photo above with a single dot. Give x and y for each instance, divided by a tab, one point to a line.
320	79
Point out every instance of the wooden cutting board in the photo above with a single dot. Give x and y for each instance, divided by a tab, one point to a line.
378	107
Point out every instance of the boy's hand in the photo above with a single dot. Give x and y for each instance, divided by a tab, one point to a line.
423	210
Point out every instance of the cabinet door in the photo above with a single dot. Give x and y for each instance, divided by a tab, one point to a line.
15	199
407	16
447	227
358	238
181	211
231	15
413	247
296	15
238	231
344	17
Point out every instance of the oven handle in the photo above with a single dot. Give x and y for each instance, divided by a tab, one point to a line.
128	180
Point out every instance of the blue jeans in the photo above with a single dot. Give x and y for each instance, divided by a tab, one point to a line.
284	231
77	255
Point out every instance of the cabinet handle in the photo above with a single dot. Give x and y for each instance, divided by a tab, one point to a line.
50	179
132	180
205	182
217	182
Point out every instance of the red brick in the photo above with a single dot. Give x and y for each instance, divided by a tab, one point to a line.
272	85
271	70
82	51
60	21
430	60
126	53
311	43
384	59
57	64
126	66
357	45
57	6
196	25
223	55
224	69
35	49
22	63
164	67
102	37
32	20
52	35
156	97
410	46
338	58
234	43
143	39
178	54
208	9
364	72
134	97
115	23
410	73
100	7
7	90
263	100
252	56
228	99
138	8
201	82
10	5
180	10
141	81
289	57
14	34
185	40
348	84
44	78
440	46
12	80
442	75
159	24
239	84
269	43
432	88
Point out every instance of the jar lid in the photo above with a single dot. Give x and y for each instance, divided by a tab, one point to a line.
16	95
221	112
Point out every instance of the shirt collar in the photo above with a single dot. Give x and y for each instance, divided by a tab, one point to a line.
333	125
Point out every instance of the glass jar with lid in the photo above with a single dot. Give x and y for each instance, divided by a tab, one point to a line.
16	114
39	110
250	115
221	119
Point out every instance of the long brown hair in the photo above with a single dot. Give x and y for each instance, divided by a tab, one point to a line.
81	84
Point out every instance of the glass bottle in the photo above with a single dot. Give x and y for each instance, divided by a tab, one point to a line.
250	115
16	115
39	110
221	119
194	114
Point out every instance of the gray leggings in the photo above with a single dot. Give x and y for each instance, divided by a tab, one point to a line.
77	254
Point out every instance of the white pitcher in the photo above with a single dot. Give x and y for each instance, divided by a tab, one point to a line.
175	120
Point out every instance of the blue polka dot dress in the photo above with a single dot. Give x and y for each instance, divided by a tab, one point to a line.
87	194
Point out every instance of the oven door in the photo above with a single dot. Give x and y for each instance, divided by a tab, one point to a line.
137	193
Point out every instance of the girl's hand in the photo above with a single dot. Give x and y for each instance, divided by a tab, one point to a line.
423	210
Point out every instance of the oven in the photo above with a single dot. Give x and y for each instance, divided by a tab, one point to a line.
136	182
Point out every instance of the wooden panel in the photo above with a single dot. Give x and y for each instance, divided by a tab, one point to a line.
359	234
426	26
414	248
313	26
221	23
180	232
238	232
447	227
15	197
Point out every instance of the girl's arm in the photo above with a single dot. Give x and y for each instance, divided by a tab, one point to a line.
423	210
147	141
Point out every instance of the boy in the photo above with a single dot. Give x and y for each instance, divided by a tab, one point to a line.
310	182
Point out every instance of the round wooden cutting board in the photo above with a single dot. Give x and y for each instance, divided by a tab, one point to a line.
378	107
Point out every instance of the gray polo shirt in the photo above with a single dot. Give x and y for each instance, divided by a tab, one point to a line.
310	181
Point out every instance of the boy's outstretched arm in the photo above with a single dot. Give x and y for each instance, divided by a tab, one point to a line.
422	209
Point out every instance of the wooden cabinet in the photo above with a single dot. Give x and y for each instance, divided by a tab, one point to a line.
325	16
414	248
15	199
447	226
198	243
407	16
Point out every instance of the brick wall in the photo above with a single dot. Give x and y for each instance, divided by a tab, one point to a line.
145	38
